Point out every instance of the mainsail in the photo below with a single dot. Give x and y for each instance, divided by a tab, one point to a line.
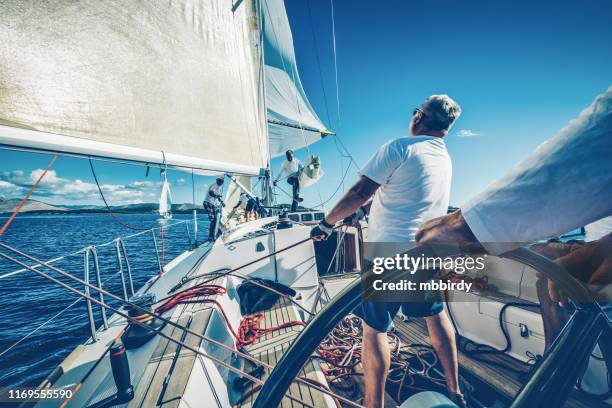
175	82
292	122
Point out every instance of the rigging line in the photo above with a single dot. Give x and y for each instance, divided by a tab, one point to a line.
335	61
27	196
339	185
52	318
93	172
59	258
220	275
294	68
123	301
248	279
316	47
131	319
163	319
40	327
340	241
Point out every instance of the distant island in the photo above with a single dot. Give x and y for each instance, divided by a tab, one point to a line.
7	206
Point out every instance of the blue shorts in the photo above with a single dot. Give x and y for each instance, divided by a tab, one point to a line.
380	315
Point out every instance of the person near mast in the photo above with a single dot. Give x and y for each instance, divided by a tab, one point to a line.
212	203
291	167
249	206
565	184
408	182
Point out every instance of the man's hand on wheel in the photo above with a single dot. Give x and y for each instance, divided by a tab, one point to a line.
322	231
590	263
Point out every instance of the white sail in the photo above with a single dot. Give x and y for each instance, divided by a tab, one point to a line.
292	122
237	186
165	200
133	78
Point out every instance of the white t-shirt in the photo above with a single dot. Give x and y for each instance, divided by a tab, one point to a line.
289	167
414	174
565	184
214	188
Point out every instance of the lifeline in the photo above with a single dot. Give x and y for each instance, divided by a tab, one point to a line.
406	284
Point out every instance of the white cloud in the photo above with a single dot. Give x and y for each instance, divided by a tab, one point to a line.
145	184
467	133
9	188
76	191
50	177
180	181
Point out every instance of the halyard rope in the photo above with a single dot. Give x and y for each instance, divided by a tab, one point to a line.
25	199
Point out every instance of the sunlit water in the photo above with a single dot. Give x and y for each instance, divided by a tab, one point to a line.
27	300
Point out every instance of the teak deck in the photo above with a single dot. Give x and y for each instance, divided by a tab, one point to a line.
167	373
164	379
272	346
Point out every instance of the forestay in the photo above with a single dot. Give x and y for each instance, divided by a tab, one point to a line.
132	79
292	122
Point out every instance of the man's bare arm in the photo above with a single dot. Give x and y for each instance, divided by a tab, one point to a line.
354	198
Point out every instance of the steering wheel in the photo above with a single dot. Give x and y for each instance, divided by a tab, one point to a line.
281	377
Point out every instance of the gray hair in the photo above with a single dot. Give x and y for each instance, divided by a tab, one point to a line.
441	112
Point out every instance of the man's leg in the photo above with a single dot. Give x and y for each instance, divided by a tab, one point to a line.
442	335
212	217
376	360
295	189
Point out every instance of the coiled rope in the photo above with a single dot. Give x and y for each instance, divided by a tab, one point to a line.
341	352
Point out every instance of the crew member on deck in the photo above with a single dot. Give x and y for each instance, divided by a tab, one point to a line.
249	206
212	204
409	180
292	167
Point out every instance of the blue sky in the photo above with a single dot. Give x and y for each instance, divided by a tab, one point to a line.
520	70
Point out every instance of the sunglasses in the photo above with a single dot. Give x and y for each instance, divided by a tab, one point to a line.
419	110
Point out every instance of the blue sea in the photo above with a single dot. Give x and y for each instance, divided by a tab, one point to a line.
28	300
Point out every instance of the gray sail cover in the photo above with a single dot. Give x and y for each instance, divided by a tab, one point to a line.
180	76
292	122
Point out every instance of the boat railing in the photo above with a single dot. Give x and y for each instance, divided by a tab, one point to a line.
90	259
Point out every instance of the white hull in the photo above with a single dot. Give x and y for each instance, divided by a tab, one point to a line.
476	315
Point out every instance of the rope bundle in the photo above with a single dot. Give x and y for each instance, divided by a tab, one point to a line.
341	351
248	331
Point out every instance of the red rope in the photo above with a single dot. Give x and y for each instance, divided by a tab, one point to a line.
162	251
248	331
25	199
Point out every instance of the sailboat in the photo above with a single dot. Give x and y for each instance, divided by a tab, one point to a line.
165	201
213	87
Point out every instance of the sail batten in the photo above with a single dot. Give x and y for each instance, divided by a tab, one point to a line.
132	79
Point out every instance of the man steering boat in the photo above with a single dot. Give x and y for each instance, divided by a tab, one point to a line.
404	184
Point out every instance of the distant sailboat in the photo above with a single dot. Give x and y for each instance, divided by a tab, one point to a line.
165	201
